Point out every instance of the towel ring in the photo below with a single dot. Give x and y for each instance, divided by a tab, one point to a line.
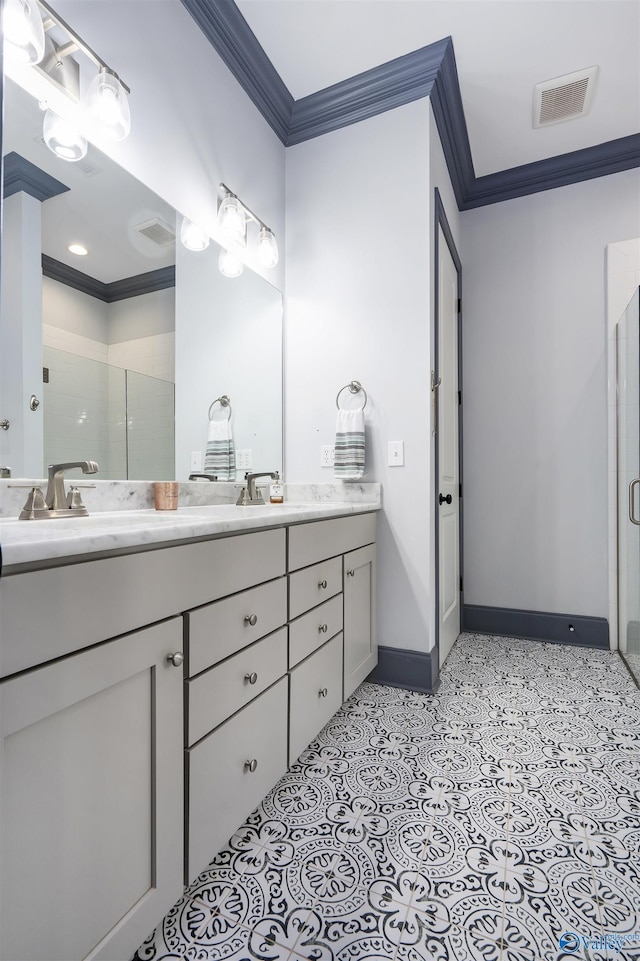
354	387
224	402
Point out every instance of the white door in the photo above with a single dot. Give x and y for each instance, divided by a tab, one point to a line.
448	480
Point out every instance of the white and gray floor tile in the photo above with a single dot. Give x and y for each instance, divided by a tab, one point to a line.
497	820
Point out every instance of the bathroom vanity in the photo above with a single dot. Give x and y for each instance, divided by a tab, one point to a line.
153	690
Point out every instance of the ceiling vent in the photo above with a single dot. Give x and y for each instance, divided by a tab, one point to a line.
563	98
157	231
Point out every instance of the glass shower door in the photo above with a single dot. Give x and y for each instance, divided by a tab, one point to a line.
628	357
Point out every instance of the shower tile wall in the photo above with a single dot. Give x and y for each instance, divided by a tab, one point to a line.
152	355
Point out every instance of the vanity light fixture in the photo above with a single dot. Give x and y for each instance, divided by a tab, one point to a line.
193	236
229	263
39	37
62	138
107	101
23	30
234	218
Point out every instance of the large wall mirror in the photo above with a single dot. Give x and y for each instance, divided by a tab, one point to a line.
127	347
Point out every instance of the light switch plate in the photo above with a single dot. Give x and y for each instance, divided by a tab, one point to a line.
244	459
196	460
395	455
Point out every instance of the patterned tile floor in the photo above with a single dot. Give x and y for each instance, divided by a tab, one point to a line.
483	823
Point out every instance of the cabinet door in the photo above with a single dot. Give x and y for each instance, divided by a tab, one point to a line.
231	770
91	799
316	695
360	638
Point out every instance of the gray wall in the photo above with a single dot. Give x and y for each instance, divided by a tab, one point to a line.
535	402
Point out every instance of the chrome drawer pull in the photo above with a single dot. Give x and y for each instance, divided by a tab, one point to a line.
322	585
323	628
323	692
250	766
251	620
175	659
351	573
251	678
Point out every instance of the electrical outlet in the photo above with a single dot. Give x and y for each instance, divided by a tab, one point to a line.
395	453
244	459
327	456
196	460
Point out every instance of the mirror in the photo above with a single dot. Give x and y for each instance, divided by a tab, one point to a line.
127	354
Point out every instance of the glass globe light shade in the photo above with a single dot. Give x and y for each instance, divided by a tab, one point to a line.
267	248
232	222
229	264
23	31
108	104
193	236
62	138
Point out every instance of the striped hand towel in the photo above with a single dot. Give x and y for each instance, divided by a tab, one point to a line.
349	459
220	457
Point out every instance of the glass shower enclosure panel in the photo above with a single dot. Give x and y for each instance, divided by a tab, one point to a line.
150	428
628	362
94	411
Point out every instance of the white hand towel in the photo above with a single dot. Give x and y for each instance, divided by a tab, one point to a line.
220	457
349	459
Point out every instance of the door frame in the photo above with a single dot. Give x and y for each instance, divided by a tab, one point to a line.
440	221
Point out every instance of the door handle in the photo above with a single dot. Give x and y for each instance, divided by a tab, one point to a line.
444	500
632	499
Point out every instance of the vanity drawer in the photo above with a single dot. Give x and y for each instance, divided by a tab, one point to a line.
313	585
315	695
221	691
222	789
311	630
224	627
317	540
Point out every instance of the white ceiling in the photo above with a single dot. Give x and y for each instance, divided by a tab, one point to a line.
502	48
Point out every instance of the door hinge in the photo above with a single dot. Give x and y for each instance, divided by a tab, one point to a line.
461	585
459	490
459	398
459	305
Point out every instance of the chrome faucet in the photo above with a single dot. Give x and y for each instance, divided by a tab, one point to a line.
250	494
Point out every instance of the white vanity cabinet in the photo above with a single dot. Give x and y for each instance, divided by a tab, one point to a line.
123	769
91	799
332	643
361	648
236	706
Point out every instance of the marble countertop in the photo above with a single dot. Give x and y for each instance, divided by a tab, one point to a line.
45	543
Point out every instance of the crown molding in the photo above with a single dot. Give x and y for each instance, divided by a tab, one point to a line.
19	174
147	283
569	168
393	84
427	72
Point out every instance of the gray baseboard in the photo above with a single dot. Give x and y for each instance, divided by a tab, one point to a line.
537	625
409	670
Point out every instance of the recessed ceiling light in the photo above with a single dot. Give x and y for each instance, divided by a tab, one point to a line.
78	249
